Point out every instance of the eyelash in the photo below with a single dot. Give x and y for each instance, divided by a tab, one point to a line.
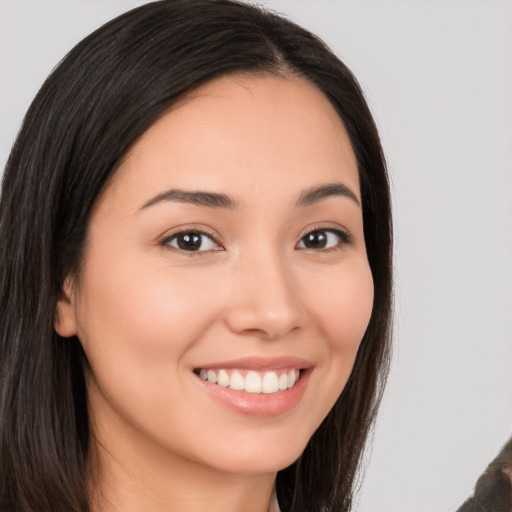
344	239
168	239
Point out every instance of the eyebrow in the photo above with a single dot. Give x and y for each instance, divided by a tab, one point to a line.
316	194
200	198
218	200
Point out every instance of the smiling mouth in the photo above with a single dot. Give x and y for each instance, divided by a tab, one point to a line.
267	382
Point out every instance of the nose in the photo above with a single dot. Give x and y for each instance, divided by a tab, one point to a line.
264	299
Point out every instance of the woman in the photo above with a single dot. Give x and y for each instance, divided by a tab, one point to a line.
195	271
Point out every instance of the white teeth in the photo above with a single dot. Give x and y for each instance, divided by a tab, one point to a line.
291	378
223	379
253	382
237	382
270	383
283	382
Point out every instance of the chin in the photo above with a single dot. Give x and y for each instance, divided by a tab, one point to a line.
260	454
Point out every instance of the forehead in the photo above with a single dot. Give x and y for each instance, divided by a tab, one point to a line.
250	131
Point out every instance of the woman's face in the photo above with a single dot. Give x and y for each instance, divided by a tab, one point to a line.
224	261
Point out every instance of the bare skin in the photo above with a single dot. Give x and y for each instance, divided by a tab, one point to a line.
229	241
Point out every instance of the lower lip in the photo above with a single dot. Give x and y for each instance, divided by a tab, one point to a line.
259	404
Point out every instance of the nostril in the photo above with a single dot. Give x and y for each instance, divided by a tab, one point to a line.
261	323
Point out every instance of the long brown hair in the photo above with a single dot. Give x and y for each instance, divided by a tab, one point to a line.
107	91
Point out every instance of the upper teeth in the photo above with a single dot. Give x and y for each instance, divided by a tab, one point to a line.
252	382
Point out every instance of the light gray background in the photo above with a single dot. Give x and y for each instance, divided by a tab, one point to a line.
438	76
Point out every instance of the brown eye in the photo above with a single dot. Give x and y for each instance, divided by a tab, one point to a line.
323	239
315	240
192	241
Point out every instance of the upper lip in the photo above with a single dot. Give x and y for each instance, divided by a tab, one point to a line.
261	363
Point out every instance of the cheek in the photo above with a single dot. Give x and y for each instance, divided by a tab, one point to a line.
153	310
171	309
344	308
136	324
340	304
136	333
342	314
